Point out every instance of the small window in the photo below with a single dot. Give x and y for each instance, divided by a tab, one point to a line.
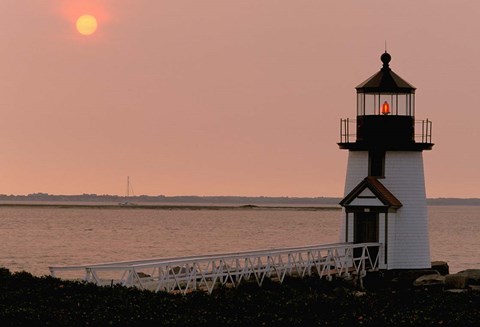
376	164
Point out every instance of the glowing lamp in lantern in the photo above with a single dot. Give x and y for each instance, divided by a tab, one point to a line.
385	108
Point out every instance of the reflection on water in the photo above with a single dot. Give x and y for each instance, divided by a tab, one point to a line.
35	238
454	236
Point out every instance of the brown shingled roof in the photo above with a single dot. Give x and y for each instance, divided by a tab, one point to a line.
377	188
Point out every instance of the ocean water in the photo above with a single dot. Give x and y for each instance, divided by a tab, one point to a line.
34	238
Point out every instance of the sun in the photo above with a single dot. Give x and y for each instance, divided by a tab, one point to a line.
86	24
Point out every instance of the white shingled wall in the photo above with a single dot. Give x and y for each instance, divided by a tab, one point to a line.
404	177
408	241
357	170
381	238
392	221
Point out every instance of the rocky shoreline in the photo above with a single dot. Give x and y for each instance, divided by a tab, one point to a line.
438	277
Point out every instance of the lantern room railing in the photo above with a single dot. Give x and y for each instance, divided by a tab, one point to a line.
425	128
348	131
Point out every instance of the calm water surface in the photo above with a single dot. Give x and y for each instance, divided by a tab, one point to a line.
34	238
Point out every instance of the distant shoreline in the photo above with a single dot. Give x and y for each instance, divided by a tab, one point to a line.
180	206
202	201
168	207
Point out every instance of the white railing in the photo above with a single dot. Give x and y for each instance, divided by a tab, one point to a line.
206	272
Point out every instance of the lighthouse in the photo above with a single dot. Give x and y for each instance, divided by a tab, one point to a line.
384	200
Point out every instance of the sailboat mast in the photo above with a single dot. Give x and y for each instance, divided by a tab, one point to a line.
127	194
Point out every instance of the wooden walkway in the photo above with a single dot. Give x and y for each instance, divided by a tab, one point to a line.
185	274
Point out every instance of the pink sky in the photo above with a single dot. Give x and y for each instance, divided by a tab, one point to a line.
220	97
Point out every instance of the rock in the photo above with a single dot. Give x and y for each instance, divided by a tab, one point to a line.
441	267
475	288
455	281
407	277
457	291
473	276
429	280
464	279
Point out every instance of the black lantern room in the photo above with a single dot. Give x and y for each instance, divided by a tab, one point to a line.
386	115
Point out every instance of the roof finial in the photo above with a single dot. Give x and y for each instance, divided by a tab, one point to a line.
385	58
385	46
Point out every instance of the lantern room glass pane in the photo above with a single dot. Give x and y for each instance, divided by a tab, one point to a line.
402	105
405	104
360	104
370	104
396	104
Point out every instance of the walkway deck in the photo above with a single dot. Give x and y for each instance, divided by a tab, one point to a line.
206	272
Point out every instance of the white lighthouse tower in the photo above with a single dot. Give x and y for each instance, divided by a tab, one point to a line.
385	199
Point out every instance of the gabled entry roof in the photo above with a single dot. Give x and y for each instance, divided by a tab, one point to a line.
372	193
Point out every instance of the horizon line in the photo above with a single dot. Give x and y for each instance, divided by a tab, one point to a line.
205	196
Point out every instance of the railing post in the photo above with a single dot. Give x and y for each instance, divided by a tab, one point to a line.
423	131
348	130
364	251
341	124
430	131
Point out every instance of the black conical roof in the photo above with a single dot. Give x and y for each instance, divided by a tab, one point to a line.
385	81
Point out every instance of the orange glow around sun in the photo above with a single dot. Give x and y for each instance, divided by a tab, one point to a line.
86	24
85	16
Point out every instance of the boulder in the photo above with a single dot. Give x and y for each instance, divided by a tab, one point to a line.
455	281
475	288
441	267
473	276
143	275
429	280
457	291
407	277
